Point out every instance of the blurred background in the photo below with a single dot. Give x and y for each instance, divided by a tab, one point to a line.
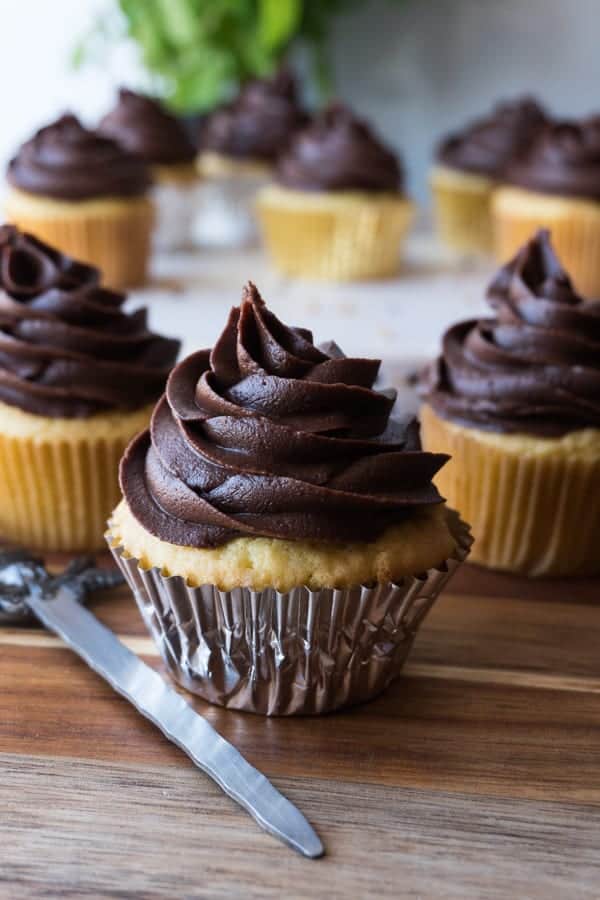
417	68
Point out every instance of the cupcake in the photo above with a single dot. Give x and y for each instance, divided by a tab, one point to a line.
86	196
557	186
337	210
145	128
239	145
469	165
78	377
515	399
280	532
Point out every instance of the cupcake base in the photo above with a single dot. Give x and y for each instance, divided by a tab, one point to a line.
175	196
532	501
227	200
110	233
574	224
462	208
297	652
345	236
60	476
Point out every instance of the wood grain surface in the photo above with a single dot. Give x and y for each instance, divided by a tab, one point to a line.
475	776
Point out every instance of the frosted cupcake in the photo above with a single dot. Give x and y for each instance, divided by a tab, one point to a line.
280	532
470	164
515	399
145	128
239	145
557	186
85	195
337	210
78	377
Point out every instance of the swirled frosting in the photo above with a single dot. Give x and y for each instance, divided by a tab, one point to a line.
67	349
259	123
565	159
68	162
487	146
267	435
339	152
145	128
535	367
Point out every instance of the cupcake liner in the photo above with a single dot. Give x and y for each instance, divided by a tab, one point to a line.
462	209
531	514
575	227
345	237
226	210
176	204
57	494
114	236
301	652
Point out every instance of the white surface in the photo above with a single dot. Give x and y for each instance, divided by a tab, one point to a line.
399	320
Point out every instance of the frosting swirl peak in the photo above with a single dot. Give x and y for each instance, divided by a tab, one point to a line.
488	145
338	152
145	128
67	349
268	435
535	367
259	123
66	161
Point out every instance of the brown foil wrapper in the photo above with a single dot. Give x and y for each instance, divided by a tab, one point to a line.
301	652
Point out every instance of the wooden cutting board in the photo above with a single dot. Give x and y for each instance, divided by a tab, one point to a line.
476	775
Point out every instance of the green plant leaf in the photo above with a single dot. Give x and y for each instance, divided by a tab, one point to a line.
278	21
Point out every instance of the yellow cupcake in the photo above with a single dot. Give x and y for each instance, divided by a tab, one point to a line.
515	402
462	209
90	200
342	236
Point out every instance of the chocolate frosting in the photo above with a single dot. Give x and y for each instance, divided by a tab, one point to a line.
487	146
338	152
267	435
145	128
66	161
535	367
259	123
67	349
565	159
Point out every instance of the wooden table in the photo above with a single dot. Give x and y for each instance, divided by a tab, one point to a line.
475	775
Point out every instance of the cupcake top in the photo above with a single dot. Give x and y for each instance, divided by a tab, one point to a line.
259	123
487	146
532	369
339	152
67	349
68	162
565	159
269	436
145	128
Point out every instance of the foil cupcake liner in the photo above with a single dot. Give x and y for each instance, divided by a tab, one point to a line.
176	206
226	211
301	652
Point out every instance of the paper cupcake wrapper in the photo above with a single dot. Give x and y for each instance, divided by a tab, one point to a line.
301	652
535	515
332	241
575	227
116	238
462	210
226	212
58	495
176	204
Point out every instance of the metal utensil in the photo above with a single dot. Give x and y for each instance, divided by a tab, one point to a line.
56	601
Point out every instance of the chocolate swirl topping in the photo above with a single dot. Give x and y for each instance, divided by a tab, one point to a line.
145	128
535	367
565	159
259	123
338	152
67	350
487	146
66	161
267	435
